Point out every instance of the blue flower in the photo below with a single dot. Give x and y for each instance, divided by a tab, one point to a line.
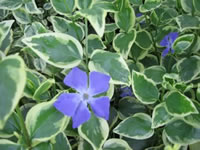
126	91
75	104
167	42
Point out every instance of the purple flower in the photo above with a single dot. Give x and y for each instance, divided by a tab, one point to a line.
75	104
167	42
126	91
138	15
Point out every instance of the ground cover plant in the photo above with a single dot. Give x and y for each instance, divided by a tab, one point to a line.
99	74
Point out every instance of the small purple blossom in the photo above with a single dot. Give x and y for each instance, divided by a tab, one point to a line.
75	104
126	91
167	42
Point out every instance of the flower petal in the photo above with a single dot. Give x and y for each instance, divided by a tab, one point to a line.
165	41
173	36
81	116
67	103
99	83
77	79
100	106
165	52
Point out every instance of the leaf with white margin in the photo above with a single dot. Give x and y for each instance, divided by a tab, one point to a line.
160	116
44	122
125	17
10	4
5	27
31	7
64	7
123	42
179	132
95	131
22	15
179	105
43	88
188	68
94	42
12	83
155	73
144	89
62	25
96	16
57	49
112	64
136	127
8	145
61	142
113	144
84	4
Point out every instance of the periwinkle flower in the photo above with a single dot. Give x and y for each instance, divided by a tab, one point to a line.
126	91
167	42
75	104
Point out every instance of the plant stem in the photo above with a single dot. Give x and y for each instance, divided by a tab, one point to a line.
86	43
23	127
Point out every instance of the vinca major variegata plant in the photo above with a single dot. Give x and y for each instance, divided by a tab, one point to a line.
99	74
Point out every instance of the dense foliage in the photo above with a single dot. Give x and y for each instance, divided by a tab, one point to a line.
99	74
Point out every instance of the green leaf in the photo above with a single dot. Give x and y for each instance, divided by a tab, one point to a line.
188	68
179	105
96	16
7	43
31	7
187	5
34	28
178	132
8	145
10	127
94	42
84	145
125	17
193	119
187	22
62	25
137	52
95	131
142	36
22	16
198	92
61	142
57	49
5	27
123	42
136	2
12	77
84	4
197	5
116	144
44	122
155	73
137	126
183	43
10	4
112	64
63	7
144	89
42	146
42	89
150	5
129	106
160	116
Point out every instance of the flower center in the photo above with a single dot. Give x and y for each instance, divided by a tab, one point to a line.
85	96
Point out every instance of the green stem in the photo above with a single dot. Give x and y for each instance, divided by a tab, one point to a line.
23	127
86	43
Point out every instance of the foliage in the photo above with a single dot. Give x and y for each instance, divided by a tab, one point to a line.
143	63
